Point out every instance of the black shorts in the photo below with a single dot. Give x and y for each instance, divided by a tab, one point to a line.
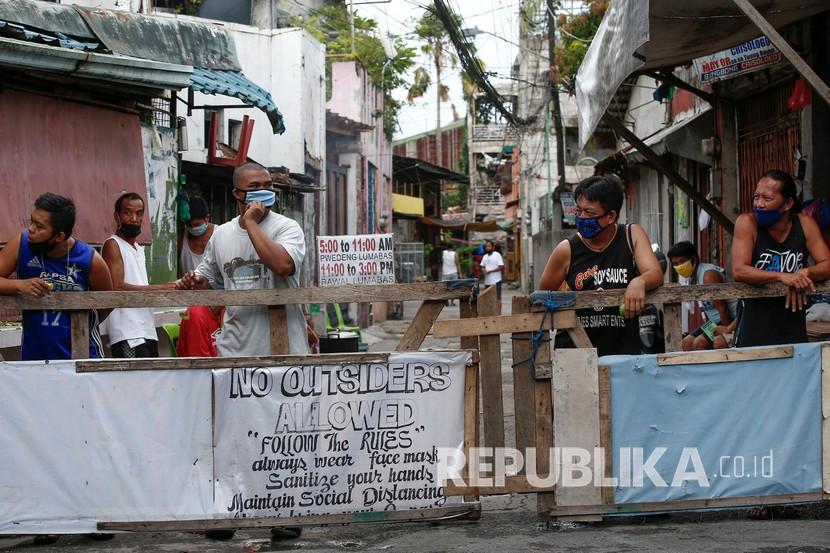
498	289
150	348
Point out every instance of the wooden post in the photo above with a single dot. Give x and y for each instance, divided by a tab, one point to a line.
469	310
490	362
420	325
784	47
543	403
79	321
278	326
672	326
523	384
605	439
576	417
825	419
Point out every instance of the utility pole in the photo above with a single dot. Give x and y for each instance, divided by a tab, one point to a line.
554	91
438	150
351	23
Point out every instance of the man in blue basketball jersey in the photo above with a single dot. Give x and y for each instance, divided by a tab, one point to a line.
48	259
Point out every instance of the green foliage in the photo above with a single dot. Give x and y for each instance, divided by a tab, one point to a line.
465	259
570	51
330	25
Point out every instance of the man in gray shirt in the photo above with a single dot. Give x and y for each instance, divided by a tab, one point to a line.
257	250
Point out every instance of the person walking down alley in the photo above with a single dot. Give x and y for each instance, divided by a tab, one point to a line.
492	266
773	244
258	249
47	258
132	331
605	255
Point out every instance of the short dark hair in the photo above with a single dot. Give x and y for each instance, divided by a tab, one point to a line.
127	196
244	168
490	242
61	212
605	189
788	188
683	249
198	207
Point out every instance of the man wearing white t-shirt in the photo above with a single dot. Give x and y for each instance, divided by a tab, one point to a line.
492	265
257	250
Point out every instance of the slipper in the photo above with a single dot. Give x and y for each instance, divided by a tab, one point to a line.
286	532
759	513
220	534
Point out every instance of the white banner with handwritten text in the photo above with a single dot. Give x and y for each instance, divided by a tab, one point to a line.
329	439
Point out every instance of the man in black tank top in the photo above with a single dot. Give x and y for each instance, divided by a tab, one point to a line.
772	244
605	255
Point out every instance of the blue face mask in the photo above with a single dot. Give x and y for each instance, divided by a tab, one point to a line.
267	197
589	226
198	231
767	217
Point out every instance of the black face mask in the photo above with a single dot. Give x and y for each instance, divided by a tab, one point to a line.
129	230
44	247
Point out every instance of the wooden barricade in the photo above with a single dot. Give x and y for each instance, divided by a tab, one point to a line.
564	397
432	295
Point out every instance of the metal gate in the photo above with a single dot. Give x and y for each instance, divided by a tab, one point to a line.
768	138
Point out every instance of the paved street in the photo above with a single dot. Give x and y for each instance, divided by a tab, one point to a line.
508	523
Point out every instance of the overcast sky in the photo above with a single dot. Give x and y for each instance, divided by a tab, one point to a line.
499	17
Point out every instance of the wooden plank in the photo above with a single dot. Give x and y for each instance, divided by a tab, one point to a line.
278	329
672	326
576	414
670	173
490	368
543	403
605	435
670	293
79	321
723	355
512	484
468	310
187	363
283	296
502	324
524	416
441	513
579	336
692	504
825	417
784	47
420	325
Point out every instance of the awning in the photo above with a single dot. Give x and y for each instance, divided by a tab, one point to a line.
235	84
649	34
209	49
408	206
408	169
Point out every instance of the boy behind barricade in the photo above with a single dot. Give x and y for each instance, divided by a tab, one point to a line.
605	255
716	332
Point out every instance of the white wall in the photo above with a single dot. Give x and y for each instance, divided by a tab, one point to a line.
290	64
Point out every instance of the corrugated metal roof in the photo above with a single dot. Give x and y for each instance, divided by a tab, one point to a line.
234	83
21	32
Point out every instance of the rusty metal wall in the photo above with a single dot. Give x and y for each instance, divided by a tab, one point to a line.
768	137
88	153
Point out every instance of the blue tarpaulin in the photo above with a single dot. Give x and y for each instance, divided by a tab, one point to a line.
755	426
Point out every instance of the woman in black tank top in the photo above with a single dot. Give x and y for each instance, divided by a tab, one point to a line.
773	244
604	255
